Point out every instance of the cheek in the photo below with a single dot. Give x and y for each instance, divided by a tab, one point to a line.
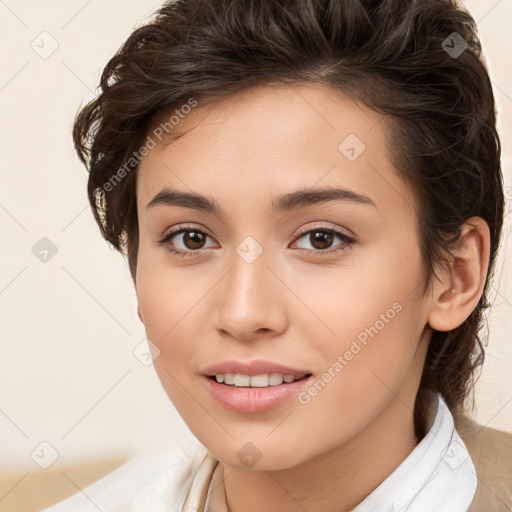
164	313
374	318
364	370
163	293
164	307
364	294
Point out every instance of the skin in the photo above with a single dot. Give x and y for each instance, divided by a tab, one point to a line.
296	304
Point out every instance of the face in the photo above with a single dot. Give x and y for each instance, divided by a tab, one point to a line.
277	239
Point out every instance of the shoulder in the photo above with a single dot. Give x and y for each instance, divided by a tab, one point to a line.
491	452
155	481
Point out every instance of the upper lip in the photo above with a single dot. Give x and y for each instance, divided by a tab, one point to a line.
255	367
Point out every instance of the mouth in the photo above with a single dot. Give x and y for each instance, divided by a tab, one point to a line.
264	380
256	386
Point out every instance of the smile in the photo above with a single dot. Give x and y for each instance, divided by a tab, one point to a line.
255	381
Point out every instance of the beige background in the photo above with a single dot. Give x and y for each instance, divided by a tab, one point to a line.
68	373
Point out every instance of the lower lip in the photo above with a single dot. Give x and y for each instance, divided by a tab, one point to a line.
253	400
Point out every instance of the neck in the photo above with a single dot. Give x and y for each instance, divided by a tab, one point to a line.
335	481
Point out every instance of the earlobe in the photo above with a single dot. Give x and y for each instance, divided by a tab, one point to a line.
138	314
457	294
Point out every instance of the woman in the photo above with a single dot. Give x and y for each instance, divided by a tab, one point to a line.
310	198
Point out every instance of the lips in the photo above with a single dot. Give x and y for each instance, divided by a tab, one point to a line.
252	368
255	386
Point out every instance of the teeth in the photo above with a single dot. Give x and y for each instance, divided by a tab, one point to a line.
259	381
275	379
242	380
254	381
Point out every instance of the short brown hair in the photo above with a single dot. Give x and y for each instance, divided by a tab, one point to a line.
395	56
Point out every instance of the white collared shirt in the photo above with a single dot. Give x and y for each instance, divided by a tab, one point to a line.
438	475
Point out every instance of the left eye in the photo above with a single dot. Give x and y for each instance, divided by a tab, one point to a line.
322	239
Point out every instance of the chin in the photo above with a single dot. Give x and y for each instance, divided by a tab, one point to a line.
257	455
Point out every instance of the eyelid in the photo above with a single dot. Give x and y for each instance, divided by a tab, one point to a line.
181	228
326	226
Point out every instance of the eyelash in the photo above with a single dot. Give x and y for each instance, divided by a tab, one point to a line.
347	241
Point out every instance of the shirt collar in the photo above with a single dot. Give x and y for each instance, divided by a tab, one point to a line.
437	475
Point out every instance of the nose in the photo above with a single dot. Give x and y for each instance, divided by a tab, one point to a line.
250	300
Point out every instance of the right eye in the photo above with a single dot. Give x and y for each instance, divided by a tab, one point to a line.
184	241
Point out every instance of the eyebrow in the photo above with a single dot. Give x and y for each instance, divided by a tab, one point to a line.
284	203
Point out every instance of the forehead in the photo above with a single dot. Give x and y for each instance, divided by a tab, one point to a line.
271	139
272	114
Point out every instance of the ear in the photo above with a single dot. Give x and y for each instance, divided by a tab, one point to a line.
138	314
458	292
